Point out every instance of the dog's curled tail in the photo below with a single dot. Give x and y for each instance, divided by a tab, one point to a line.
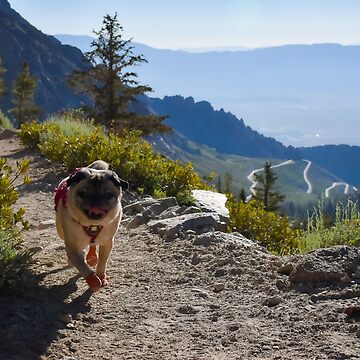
99	165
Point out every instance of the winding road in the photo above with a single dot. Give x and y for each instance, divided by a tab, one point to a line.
347	188
306	178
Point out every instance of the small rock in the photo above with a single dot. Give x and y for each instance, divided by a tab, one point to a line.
218	287
281	284
352	311
220	272
67	318
233	327
204	240
70	326
235	271
196	259
273	301
187	310
354	328
200	293
233	337
46	224
276	262
136	221
286	269
36	249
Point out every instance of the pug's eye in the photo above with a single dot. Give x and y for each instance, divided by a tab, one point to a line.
82	194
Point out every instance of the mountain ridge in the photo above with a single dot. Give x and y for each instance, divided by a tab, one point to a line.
48	60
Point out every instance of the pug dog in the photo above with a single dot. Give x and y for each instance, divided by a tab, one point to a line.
88	213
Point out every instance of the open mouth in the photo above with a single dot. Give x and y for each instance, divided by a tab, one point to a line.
95	213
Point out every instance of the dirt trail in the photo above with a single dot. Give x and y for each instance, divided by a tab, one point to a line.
161	303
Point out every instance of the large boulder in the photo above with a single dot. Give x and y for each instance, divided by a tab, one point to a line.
174	227
210	201
326	266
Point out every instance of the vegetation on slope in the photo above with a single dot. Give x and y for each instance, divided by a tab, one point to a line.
14	261
75	143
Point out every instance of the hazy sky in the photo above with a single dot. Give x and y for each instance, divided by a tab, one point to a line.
203	23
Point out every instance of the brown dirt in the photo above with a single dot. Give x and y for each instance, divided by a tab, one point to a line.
161	303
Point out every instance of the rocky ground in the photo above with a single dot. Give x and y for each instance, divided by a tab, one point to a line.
178	296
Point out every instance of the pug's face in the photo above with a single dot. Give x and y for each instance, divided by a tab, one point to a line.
96	192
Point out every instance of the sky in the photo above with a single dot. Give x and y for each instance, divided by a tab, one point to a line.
179	24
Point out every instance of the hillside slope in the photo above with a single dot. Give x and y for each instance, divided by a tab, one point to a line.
48	59
291	179
161	304
221	130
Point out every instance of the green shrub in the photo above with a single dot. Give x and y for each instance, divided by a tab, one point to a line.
132	157
8	194
72	122
5	121
267	228
344	231
14	262
15	273
30	134
185	198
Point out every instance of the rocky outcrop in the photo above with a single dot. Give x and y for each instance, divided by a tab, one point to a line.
331	273
327	266
166	218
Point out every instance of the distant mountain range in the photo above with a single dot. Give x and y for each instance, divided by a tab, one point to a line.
200	123
227	135
215	140
300	94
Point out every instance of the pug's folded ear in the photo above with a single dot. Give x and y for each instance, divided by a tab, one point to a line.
76	177
114	177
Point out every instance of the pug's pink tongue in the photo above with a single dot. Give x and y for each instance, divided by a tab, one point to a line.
97	211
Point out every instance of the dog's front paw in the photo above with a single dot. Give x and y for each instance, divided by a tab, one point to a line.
104	280
94	282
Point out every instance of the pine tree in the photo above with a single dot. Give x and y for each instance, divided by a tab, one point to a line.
265	190
111	82
2	82
242	195
23	97
228	183
219	184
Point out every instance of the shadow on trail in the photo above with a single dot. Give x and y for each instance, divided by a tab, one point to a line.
45	179
28	325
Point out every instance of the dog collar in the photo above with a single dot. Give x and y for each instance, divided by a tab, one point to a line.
93	231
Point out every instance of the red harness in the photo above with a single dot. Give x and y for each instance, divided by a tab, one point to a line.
61	194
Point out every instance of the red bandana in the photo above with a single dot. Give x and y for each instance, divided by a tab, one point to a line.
61	193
